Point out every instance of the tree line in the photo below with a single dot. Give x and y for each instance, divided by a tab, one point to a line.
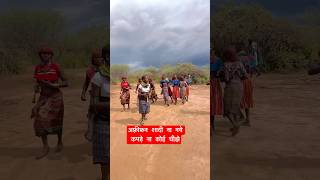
285	44
200	75
23	32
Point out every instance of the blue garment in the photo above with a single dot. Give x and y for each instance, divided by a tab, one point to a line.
175	82
163	81
101	140
253	63
215	67
189	81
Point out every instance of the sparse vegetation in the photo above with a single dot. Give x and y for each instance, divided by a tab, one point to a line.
200	75
285	44
23	32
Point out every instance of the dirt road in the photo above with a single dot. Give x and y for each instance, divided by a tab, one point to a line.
284	140
188	161
19	146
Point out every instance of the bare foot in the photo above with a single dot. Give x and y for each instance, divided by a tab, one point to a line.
141	122
87	137
235	131
59	147
44	153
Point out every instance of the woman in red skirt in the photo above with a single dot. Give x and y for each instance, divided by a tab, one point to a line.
216	88
49	109
175	89
187	88
247	98
125	93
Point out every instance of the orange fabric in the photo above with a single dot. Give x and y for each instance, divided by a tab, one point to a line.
247	99
216	97
187	91
175	92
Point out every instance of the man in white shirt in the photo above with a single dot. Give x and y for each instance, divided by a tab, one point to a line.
143	95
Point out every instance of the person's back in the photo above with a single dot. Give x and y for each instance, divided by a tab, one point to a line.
233	72
101	128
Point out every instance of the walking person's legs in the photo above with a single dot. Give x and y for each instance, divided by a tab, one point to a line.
45	148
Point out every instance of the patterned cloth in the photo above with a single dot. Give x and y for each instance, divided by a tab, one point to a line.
165	89
49	72
125	97
48	114
101	140
183	89
49	110
101	124
144	107
232	74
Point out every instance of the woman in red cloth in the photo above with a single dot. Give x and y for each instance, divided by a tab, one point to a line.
49	109
125	93
216	65
175	89
247	98
187	88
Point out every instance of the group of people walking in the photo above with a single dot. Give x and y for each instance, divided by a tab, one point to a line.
48	111
232	86
171	90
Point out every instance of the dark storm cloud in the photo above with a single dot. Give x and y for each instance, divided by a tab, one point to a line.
151	33
278	7
78	13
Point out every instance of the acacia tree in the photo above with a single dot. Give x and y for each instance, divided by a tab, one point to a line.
279	40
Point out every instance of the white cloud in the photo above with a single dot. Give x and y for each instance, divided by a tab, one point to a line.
154	32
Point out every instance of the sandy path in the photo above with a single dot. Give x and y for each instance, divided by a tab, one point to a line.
283	142
187	161
18	145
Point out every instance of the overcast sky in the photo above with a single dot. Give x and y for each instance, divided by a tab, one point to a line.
154	32
78	13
